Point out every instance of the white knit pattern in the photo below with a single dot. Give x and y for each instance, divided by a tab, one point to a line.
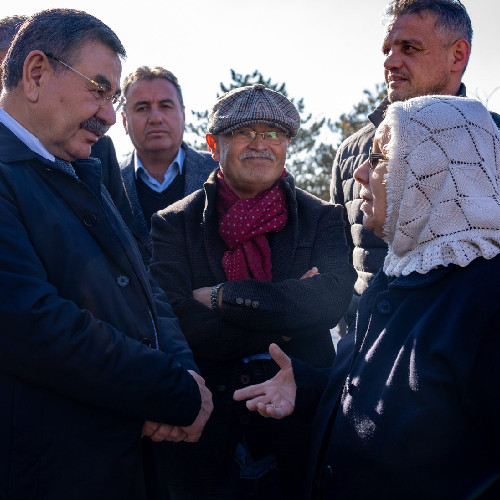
443	190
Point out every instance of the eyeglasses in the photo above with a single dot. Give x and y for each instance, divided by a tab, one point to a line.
246	136
103	92
374	158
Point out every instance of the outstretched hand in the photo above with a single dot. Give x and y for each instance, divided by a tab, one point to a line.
273	398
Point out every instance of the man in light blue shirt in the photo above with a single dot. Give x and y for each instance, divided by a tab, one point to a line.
162	168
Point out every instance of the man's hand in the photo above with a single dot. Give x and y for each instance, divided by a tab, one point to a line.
203	295
163	432
312	272
193	432
275	397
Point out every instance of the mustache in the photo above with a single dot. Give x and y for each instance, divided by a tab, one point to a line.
257	154
95	125
398	74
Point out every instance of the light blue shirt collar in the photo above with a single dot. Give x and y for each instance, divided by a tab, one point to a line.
24	135
174	169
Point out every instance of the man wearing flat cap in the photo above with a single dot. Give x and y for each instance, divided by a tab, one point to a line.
247	261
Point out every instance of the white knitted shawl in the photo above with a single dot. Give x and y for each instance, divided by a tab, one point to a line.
443	186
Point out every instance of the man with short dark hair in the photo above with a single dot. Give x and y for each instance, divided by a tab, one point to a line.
247	261
8	28
427	47
83	372
162	168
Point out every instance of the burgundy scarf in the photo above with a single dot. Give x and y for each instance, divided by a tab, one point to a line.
242	226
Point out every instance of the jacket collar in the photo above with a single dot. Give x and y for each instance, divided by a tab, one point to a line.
13	150
378	114
417	280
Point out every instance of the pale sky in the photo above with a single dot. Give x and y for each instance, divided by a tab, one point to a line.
326	51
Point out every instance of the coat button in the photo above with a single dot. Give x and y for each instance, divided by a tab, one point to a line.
146	341
248	302
221	388
245	379
255	304
122	280
90	220
328	473
239	301
384	307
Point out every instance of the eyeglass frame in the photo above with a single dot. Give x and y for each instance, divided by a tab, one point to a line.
253	134
115	98
375	156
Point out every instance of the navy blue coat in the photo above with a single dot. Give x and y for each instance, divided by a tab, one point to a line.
78	315
411	410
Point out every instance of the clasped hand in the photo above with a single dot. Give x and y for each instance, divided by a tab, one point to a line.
165	432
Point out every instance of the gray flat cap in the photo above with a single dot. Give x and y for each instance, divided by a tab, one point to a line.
253	104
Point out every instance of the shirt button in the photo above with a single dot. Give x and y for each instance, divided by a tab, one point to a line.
384	307
248	302
255	304
245	379
239	301
90	220
122	280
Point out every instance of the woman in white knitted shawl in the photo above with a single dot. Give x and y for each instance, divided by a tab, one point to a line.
442	184
411	406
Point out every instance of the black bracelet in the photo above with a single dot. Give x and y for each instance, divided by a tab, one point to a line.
214	300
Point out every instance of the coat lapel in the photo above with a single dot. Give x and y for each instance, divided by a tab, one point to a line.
139	225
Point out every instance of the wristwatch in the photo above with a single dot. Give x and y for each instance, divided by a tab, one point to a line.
214	299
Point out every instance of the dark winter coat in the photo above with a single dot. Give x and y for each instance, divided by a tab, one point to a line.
412	404
78	320
197	167
187	254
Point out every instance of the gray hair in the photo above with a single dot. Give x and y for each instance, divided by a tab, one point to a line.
148	73
9	26
451	15
60	32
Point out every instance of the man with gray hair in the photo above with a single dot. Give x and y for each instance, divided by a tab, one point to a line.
162	168
426	46
91	355
247	261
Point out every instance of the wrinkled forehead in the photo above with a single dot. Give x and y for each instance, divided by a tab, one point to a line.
421	24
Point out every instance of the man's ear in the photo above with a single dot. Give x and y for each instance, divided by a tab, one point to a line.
124	121
460	53
36	72
212	146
